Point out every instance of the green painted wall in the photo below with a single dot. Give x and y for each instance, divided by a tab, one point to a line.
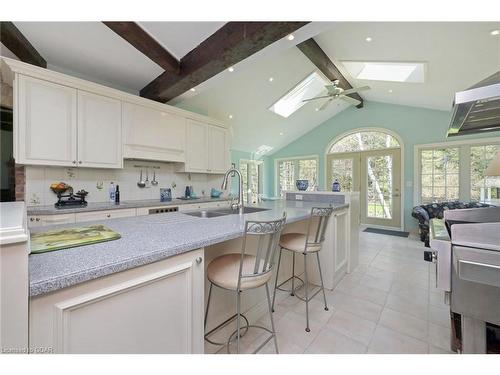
413	125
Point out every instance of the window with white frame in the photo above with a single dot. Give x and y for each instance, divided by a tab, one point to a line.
251	172
290	170
455	171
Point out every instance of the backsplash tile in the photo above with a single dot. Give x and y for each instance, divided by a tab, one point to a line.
96	182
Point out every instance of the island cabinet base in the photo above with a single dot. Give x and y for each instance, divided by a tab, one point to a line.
156	308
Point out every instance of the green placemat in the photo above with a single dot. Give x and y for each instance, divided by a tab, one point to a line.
71	237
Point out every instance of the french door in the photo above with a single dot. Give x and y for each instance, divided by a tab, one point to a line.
376	174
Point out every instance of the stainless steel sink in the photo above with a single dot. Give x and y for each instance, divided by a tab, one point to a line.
224	211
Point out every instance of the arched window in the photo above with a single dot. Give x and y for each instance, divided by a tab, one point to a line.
364	141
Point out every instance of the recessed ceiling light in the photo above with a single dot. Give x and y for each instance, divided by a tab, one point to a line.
494	32
281	133
231	69
368	39
316	109
290	37
230	116
271	79
193	89
390	91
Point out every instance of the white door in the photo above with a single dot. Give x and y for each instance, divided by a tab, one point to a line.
380	197
99	131
46	123
377	176
196	147
217	150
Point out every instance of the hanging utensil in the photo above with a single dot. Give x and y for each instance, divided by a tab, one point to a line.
141	183
153	181
147	176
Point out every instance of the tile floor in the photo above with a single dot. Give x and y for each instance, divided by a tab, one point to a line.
387	305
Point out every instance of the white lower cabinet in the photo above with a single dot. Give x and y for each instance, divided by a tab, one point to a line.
41	220
104	215
157	308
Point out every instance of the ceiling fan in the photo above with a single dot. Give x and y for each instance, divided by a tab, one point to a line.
335	92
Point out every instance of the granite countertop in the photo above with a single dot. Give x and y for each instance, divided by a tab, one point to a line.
100	206
147	239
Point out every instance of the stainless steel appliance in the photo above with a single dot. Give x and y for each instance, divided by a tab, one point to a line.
477	109
466	250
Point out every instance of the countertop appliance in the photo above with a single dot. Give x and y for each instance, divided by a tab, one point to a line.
477	109
466	250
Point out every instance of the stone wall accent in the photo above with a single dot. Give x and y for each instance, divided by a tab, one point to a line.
20	182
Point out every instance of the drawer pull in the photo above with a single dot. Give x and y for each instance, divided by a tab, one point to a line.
199	260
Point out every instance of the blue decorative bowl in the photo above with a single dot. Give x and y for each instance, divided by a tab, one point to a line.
214	193
302	185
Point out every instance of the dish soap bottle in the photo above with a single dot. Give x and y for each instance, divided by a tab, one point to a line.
111	192
336	186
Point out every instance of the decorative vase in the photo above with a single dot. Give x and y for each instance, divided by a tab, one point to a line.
302	185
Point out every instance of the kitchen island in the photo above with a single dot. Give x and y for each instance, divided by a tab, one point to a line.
145	291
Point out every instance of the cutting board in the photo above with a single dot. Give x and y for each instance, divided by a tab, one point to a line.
71	237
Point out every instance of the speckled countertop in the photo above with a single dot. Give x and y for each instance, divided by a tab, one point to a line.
99	206
146	239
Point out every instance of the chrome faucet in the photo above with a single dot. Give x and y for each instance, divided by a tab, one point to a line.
238	205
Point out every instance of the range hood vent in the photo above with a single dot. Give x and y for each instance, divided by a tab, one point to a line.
477	109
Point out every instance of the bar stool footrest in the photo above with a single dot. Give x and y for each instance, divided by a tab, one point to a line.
287	280
222	325
250	326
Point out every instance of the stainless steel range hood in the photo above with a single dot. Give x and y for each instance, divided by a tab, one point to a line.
477	109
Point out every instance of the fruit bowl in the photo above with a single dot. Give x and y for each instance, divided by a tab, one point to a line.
60	188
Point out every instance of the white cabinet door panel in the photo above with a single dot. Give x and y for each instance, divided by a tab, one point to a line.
196	147
157	308
99	131
152	134
217	150
46	123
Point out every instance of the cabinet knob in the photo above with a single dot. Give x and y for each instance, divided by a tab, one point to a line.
199	260
80	162
37	219
108	215
32	219
74	161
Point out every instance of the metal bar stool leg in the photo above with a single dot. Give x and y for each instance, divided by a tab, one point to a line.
276	281
306	286
271	316
321	278
208	304
238	310
293	274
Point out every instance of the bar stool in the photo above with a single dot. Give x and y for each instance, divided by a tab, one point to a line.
239	272
305	244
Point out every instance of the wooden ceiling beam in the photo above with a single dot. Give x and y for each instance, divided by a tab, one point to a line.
15	41
232	43
145	43
319	58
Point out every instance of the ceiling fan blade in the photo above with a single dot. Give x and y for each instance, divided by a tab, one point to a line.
356	89
318	97
350	100
325	104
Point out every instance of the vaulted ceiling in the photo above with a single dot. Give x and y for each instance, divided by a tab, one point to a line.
457	55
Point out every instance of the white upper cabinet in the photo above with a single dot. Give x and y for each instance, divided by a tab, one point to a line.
196	147
218	158
99	131
207	149
152	134
46	123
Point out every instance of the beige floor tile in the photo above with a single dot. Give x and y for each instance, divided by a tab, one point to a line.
418	309
382	283
352	326
330	341
439	336
388	341
284	347
404	323
410	290
440	315
435	350
360	307
291	328
317	310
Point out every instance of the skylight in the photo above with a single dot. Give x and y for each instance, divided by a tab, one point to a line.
311	86
386	71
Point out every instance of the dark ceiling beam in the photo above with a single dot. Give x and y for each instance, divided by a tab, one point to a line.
14	40
232	43
142	41
319	58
